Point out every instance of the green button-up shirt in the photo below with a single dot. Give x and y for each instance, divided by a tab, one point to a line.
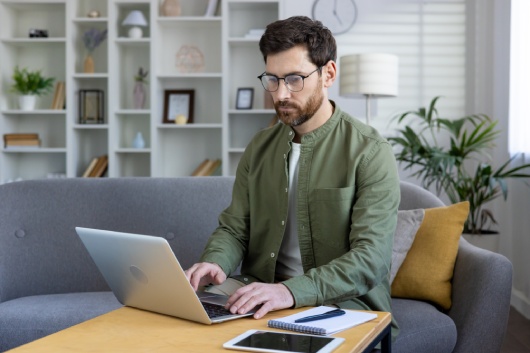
348	195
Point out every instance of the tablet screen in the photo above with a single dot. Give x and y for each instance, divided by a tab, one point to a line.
284	342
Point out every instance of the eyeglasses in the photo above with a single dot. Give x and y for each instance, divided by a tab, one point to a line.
294	83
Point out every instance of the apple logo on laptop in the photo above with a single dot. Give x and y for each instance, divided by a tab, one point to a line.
138	274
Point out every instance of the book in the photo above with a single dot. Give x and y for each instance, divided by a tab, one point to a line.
207	167
58	96
23	142
322	327
199	170
100	168
90	167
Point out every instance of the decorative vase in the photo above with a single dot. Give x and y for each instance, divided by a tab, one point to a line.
27	102
138	141
170	8
139	95
88	67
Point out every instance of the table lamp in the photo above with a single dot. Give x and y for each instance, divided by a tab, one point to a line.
368	75
135	19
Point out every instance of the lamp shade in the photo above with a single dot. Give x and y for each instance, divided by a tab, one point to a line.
372	74
135	18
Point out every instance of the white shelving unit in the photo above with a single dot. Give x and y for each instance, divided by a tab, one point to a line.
218	130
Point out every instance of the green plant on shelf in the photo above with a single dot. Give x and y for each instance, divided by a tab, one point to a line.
31	82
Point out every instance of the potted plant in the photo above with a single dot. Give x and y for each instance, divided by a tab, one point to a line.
461	168
139	89
92	38
29	85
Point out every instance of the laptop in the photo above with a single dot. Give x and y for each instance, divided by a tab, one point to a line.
144	273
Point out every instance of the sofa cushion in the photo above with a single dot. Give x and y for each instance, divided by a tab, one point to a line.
408	223
428	268
423	328
29	318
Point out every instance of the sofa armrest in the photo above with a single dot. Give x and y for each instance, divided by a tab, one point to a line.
482	286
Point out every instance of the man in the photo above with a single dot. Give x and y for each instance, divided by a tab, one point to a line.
315	199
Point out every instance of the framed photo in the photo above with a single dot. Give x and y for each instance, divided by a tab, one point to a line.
178	106
91	106
244	98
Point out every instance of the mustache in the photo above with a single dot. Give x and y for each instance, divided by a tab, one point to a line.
286	104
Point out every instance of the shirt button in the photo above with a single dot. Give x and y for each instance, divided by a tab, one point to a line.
283	223
245	279
290	133
284	156
286	190
272	254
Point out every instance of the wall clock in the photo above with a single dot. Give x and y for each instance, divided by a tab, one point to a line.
338	15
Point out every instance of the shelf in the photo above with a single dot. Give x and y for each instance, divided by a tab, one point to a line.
132	41
34	150
190	126
133	150
96	75
91	126
32	41
34	112
251	111
133	112
90	20
191	75
177	19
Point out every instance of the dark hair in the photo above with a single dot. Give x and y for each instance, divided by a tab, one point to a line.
299	30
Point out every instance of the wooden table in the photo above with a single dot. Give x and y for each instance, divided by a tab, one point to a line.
132	330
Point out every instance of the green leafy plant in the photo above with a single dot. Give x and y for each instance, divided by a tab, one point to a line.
461	168
141	76
31	82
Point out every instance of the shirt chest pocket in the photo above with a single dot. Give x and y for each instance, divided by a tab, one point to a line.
331	217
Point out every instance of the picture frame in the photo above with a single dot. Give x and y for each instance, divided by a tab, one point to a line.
178	106
91	106
245	97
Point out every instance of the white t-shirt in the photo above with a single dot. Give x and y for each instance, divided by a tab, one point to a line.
289	259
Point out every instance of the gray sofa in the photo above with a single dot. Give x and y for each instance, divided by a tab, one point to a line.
48	281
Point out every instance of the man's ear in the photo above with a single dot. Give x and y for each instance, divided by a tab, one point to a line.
329	73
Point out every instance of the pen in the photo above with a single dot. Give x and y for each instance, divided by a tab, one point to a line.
326	315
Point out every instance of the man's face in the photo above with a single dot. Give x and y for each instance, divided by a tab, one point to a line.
295	108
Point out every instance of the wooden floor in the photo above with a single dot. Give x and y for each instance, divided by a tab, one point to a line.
518	335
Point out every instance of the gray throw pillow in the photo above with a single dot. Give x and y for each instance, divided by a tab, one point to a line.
408	223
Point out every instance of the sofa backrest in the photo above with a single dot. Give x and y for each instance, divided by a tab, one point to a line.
40	252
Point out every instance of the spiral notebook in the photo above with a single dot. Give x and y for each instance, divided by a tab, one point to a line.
322	327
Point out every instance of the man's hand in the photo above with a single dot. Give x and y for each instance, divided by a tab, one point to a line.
270	296
205	273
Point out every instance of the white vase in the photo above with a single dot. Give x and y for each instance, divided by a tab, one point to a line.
27	102
484	241
138	141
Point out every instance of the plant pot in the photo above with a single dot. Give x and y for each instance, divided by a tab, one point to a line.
27	102
139	95
88	65
488	241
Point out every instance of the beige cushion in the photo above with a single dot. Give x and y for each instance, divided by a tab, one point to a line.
408	223
427	271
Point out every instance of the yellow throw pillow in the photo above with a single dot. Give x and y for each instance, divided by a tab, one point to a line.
427	271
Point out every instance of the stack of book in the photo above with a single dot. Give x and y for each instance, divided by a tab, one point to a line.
208	167
21	140
97	167
59	96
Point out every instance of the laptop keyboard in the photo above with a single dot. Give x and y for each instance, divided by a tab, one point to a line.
214	310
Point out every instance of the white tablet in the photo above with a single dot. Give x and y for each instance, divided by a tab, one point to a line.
281	342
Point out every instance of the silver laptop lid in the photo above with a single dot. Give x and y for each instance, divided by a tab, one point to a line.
144	273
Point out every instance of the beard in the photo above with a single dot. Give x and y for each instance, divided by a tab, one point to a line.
300	115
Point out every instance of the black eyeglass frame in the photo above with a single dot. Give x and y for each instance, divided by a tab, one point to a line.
283	78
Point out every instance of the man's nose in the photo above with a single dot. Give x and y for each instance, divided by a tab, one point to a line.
282	92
